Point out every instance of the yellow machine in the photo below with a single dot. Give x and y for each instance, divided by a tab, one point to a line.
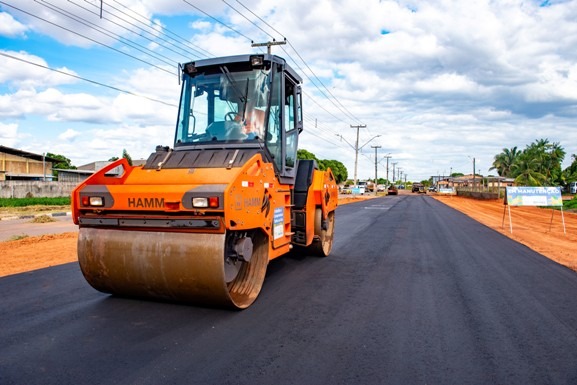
200	222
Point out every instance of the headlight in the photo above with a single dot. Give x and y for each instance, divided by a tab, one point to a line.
92	201
199	202
211	202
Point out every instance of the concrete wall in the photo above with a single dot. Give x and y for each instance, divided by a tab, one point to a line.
478	194
38	189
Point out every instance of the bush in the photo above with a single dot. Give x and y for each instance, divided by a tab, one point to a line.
570	205
22	202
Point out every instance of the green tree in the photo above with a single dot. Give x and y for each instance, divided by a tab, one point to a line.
62	163
126	156
504	161
546	159
526	171
537	165
306	155
339	170
113	159
570	173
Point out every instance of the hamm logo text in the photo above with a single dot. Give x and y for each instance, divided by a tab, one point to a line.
148	203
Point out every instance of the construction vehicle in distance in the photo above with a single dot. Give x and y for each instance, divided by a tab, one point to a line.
419	188
200	222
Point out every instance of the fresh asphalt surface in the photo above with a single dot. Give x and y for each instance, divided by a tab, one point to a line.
413	293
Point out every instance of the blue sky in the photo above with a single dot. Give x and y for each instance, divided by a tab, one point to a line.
449	81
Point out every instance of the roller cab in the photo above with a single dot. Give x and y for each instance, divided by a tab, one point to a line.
199	222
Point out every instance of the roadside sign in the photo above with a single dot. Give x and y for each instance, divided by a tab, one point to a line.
533	196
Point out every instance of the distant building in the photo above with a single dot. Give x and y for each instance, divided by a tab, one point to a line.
84	171
22	165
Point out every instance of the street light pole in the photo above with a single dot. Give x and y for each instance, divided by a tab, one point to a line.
375	184
474	181
357	149
387	156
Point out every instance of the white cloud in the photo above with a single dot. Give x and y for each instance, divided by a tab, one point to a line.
8	134
69	135
10	27
24	70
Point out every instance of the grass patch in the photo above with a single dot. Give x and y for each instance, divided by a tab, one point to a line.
23	202
43	219
18	237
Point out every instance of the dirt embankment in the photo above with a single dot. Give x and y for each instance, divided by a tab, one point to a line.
539	229
33	253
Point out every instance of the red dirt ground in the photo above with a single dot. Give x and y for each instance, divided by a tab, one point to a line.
532	227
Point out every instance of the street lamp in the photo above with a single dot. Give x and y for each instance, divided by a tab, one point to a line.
356	147
375	184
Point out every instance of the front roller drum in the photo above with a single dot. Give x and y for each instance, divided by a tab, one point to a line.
183	267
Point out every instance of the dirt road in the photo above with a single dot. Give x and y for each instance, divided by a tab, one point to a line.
533	227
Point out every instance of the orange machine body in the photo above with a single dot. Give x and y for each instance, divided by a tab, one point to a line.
249	197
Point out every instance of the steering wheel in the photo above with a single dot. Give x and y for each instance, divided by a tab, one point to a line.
230	116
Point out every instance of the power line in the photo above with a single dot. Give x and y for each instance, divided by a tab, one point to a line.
261	19
87	80
165	31
237	11
125	28
108	33
87	38
316	77
218	21
334	100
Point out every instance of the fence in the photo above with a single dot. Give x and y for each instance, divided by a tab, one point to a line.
38	189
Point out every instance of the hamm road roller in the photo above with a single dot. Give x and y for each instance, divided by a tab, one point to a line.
199	222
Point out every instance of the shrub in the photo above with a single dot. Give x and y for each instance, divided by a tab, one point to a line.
22	202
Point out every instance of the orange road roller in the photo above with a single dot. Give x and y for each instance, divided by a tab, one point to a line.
199	222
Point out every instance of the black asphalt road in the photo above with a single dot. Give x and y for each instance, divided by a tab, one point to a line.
413	293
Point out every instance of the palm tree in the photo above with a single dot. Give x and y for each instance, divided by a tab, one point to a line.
504	161
549	157
526	172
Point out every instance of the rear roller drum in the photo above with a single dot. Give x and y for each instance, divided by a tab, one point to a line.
324	231
225	270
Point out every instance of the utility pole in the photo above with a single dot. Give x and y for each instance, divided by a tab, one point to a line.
375	184
387	156
268	44
357	149
474	181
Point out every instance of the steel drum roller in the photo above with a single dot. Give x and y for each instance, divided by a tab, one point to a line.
182	267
